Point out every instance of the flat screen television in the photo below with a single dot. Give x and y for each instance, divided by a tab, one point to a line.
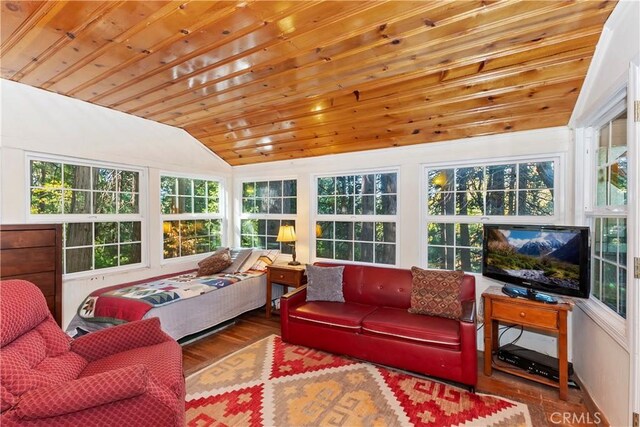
545	258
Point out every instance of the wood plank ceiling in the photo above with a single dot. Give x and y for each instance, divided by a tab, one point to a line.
258	81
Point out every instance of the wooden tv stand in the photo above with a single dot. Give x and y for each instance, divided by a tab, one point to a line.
499	307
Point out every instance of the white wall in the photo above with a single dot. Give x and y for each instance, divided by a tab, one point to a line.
36	121
602	362
410	161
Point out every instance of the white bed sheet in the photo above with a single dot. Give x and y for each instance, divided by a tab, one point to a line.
194	315
197	314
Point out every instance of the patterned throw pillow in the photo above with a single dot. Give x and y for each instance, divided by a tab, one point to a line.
436	293
215	263
324	283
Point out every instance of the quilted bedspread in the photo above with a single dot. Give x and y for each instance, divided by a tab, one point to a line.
131	301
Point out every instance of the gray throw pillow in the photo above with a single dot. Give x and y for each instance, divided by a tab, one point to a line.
324	283
238	257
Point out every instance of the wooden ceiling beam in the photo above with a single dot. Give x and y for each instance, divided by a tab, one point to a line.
433	122
465	130
157	84
317	59
363	50
334	20
15	19
103	85
275	95
16	46
415	117
65	40
160	60
345	102
139	23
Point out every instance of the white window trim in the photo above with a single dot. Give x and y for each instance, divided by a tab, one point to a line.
143	184
559	207
612	323
314	217
237	232
589	134
192	216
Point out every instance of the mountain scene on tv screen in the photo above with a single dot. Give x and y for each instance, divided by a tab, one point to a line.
551	258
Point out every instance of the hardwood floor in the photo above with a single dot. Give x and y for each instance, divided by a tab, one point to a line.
545	407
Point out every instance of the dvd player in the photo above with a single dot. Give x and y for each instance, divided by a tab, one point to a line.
531	361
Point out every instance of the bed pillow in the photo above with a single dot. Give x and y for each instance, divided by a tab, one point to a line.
324	283
238	257
265	258
214	263
251	259
436	292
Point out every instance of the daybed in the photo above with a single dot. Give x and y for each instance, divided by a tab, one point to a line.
179	317
373	324
126	375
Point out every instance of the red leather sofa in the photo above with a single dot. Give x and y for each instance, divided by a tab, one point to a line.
373	324
122	376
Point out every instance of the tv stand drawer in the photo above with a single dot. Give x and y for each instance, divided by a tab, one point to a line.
523	314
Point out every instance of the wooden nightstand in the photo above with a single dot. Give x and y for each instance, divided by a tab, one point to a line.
499	307
285	275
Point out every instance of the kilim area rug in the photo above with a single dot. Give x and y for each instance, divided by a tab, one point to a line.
271	383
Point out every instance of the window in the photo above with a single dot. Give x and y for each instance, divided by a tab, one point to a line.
460	198
99	207
608	216
266	205
356	217
191	215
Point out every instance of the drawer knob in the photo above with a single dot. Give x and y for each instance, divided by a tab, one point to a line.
523	314
281	276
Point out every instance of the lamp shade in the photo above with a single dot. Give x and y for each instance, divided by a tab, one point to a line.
286	234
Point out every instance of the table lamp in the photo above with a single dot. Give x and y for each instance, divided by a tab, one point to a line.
287	234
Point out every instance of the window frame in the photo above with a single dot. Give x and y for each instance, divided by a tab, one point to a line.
315	217
264	216
221	215
559	206
587	134
92	218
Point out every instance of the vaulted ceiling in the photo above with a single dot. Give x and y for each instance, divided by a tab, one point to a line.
258	81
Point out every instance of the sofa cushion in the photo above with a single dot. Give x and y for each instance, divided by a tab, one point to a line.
337	314
397	322
379	286
164	361
324	283
436	292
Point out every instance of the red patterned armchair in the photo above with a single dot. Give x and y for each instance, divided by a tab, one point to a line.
127	375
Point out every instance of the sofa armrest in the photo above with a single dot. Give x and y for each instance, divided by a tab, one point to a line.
105	342
289	302
468	342
83	393
293	293
468	311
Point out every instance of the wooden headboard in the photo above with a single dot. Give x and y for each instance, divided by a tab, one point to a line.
33	252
